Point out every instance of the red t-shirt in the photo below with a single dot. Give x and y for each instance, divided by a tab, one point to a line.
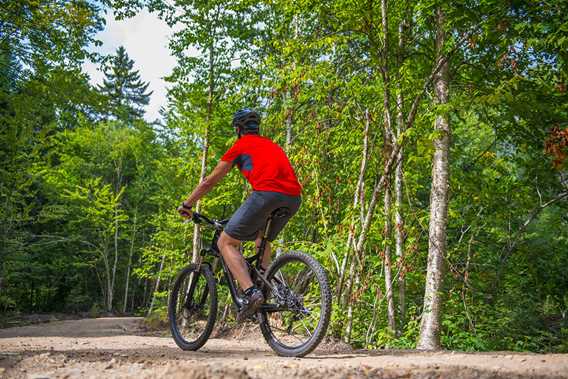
264	164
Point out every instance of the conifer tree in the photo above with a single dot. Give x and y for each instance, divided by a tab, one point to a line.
126	92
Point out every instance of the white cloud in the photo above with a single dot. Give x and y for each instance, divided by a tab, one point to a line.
145	38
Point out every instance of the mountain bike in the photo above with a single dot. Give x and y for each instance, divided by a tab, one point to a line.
294	317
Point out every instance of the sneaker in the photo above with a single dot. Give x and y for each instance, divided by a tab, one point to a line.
250	304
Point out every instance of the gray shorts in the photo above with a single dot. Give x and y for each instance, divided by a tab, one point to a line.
251	216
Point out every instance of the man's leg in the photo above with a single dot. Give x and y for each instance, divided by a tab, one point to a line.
267	257
229	248
253	297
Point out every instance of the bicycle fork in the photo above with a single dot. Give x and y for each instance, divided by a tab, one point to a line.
193	279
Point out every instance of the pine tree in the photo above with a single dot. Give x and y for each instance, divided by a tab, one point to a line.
124	88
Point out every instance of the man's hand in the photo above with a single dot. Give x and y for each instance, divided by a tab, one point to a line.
185	211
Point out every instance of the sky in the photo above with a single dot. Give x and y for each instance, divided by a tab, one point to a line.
145	38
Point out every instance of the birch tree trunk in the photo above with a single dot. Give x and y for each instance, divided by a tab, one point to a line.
196	230
127	281
353	278
356	202
115	263
429	338
398	176
157	285
387	261
292	93
349	323
389	141
289	113
116	232
108	292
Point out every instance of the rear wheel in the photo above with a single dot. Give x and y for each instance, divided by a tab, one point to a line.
296	315
192	307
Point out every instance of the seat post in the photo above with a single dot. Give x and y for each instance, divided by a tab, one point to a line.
262	246
278	212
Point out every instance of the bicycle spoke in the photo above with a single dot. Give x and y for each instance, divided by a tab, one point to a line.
312	304
305	327
288	334
283	280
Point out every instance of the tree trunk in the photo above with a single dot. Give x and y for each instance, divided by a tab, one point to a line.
115	263
399	239
429	338
356	202
196	230
349	323
116	231
127	282
157	285
145	293
389	141
398	180
289	113
292	93
387	261
106	280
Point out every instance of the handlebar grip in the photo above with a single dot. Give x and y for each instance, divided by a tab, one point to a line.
196	217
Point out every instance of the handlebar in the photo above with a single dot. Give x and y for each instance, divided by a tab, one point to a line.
199	218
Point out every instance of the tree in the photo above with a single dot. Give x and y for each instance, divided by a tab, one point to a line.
431	315
124	89
42	45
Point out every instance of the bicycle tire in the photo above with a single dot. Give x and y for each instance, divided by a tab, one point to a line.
173	306
325	311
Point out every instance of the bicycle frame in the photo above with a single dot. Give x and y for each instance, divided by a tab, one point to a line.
254	262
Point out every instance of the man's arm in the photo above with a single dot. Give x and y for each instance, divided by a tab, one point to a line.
209	182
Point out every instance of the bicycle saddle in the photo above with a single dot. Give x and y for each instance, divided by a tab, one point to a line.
280	212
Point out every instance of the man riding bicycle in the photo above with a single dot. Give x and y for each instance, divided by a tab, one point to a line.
275	185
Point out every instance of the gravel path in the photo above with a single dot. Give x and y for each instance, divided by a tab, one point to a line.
115	348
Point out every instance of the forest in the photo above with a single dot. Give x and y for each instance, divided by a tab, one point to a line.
430	138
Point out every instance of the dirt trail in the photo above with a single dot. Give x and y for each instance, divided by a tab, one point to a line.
115	348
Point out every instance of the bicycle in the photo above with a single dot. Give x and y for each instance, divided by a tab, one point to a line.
295	316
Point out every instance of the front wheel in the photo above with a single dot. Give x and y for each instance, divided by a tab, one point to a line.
192	307
296	315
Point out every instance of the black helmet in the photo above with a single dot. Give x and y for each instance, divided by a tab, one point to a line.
246	121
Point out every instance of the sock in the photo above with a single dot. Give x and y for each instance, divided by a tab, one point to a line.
249	290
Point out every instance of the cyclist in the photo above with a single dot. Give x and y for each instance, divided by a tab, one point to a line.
274	183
